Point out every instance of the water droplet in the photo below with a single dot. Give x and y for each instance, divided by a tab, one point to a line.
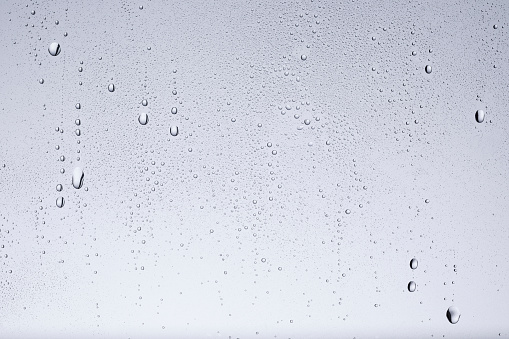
413	263
495	26
174	130
174	110
303	57
428	69
77	122
411	286
77	177
143	118
307	121
78	132
111	87
144	102
141	7
453	314
59	188
41	81
348	211
78	106
54	49
60	202
32	12
479	115
56	22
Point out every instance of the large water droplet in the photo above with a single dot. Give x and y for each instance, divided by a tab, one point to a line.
174	130
60	202
111	87
413	263
77	177
428	69
411	286
174	110
143	118
453	314
54	48
479	115
59	188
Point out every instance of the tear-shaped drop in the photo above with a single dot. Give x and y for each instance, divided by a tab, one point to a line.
143	118
77	177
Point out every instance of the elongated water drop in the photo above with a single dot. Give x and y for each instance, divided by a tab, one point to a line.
428	69
411	286
413	263
174	130
143	118
479	115
111	87
453	314
77	177
60	202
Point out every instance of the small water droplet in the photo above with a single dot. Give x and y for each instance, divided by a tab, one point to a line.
479	116
144	102
41	81
54	49
303	57
59	188
411	286
413	263
174	110
77	177
143	118
111	87
78	106
60	202
453	314
428	69
174	130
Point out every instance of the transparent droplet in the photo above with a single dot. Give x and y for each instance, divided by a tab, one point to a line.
77	177
413	263
143	118
32	12
479	115
307	121
77	122
141	7
174	110
453	314
495	26
174	130
411	286
56	22
60	202
428	69
78	132
41	81
144	102
59	187
111	87
348	211
54	49
303	57
78	106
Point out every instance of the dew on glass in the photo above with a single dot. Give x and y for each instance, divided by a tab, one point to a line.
411	286
54	49
143	118
111	87
174	130
413	263
428	69
60	202
479	116
453	314
77	177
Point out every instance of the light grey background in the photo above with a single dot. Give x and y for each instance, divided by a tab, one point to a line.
214	199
